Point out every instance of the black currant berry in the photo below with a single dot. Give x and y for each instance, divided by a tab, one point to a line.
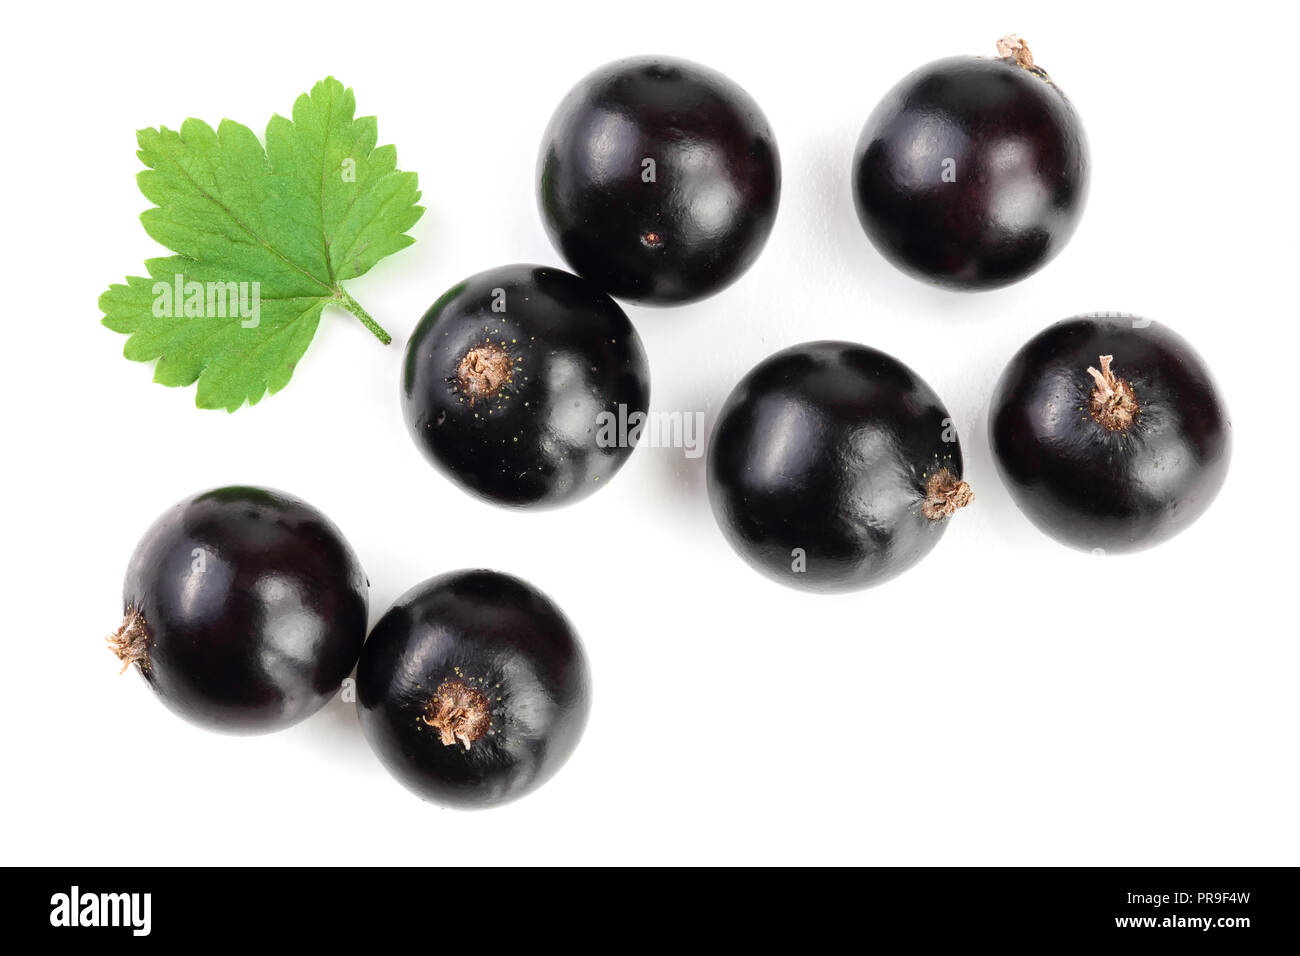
834	467
1110	433
245	609
473	689
659	180
972	173
511	381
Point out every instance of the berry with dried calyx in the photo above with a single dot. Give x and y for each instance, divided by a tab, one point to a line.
1110	433
972	173
473	689
245	609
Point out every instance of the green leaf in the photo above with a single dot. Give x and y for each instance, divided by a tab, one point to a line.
263	239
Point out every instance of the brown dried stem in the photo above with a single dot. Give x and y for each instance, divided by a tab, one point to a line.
944	494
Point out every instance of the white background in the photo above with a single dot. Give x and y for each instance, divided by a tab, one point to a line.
1006	701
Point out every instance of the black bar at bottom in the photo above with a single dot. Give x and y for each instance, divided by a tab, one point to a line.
1225	909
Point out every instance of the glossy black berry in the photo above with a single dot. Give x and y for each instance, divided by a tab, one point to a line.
473	689
972	173
658	180
1110	433
516	380
244	609
834	467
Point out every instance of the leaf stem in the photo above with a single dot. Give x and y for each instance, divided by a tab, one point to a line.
352	305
